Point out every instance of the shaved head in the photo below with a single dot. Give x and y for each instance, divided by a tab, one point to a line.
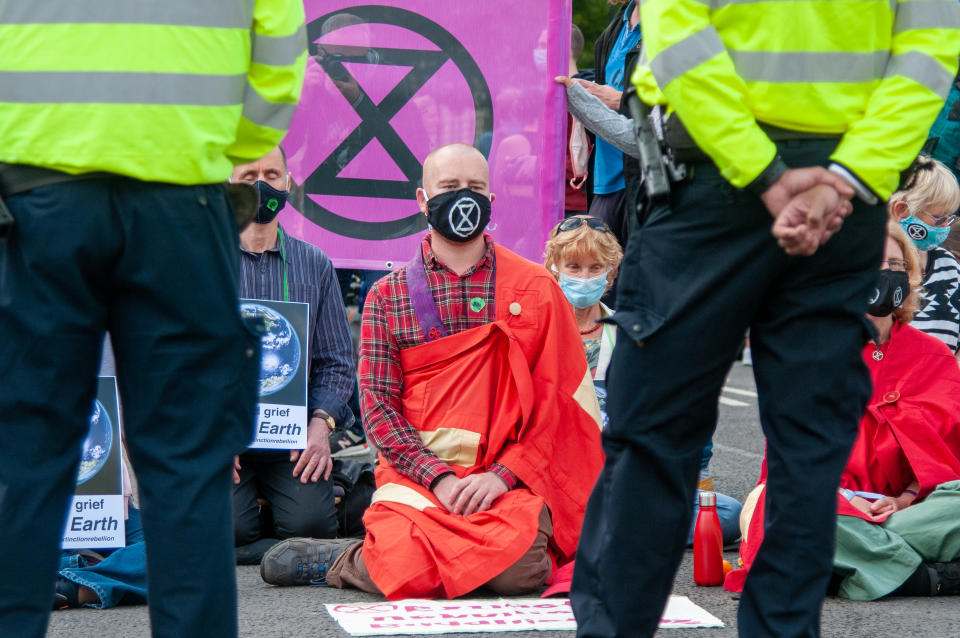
453	158
453	167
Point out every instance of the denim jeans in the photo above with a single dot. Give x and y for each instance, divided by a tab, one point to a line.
120	577
728	510
705	461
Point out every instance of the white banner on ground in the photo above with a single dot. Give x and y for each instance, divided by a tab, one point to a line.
417	617
683	612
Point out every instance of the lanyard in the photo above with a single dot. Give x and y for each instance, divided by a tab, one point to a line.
283	258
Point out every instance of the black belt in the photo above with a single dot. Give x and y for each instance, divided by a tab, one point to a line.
20	178
684	149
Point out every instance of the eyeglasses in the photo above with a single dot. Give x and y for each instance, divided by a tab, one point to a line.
896	264
576	222
943	221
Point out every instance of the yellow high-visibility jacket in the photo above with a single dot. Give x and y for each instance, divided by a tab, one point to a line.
173	91
874	71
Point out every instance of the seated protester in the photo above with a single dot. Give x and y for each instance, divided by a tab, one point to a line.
107	578
926	208
898	532
278	267
584	256
485	420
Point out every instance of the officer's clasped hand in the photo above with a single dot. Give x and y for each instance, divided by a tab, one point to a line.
808	206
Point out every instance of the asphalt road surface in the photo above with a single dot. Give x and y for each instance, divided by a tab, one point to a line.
738	447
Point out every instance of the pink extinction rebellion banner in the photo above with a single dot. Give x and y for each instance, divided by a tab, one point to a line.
386	83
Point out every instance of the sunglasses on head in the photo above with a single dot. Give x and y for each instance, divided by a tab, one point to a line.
576	222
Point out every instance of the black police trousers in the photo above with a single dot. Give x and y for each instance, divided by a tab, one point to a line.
157	266
696	275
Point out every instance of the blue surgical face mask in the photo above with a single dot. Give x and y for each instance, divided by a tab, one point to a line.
924	235
583	293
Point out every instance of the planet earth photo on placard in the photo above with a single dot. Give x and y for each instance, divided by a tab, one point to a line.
97	445
280	358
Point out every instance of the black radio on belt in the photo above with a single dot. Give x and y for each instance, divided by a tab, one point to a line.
656	182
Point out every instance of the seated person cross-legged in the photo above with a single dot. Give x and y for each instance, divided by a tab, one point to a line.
107	577
485	420
275	266
898	528
584	256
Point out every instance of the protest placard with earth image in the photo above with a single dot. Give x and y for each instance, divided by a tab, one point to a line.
281	421
96	517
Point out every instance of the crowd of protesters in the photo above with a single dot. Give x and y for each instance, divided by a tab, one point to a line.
479	380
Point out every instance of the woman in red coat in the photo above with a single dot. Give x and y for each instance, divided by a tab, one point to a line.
898	529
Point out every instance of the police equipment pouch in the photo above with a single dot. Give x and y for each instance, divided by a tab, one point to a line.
656	183
245	200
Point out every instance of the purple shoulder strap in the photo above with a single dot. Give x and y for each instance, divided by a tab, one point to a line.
423	304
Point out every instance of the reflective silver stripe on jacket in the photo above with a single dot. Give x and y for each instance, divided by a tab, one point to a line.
720	4
282	51
107	87
273	114
809	66
680	57
927	14
923	69
227	14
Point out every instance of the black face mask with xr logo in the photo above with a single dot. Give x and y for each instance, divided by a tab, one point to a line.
892	289
459	215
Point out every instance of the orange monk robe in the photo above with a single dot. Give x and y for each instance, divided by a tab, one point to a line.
516	391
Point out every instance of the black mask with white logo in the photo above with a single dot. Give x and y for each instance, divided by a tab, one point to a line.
893	286
459	215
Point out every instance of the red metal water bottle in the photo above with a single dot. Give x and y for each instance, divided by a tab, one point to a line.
708	543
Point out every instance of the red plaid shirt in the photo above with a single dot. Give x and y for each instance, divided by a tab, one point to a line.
389	326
